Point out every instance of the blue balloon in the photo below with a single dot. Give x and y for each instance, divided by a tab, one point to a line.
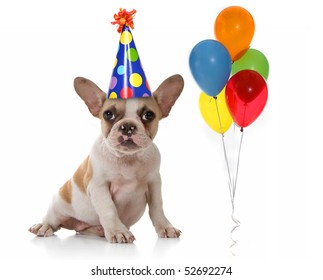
210	64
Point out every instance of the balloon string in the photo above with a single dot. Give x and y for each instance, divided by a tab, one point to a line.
233	156
224	149
237	224
238	163
234	187
232	179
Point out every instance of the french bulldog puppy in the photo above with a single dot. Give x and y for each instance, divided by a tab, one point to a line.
109	191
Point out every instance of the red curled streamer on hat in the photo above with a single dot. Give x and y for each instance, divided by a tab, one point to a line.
124	18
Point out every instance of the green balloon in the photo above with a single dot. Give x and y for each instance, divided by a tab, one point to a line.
252	60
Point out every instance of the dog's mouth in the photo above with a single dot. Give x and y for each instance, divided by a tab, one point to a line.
128	143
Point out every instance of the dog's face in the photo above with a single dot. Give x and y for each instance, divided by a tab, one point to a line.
129	125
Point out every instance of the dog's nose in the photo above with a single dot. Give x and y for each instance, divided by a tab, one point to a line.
128	128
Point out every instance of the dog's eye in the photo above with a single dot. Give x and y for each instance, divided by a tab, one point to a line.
108	115
148	116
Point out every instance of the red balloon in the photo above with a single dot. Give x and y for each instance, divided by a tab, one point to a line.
246	96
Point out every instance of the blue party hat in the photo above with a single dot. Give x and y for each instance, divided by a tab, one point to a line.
128	78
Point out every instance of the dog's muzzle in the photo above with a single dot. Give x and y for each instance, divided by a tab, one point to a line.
128	129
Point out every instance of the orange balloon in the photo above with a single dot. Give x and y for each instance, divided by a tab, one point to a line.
234	27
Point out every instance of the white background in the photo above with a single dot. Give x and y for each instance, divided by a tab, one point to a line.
46	131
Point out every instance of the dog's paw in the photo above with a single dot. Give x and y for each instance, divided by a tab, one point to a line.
42	230
168	232
119	235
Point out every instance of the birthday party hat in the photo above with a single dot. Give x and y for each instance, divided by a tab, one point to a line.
128	78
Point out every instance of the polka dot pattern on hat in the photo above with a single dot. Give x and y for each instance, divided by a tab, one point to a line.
128	79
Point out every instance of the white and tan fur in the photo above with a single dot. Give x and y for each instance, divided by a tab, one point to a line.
109	191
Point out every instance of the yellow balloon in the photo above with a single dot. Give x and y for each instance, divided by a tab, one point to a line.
214	108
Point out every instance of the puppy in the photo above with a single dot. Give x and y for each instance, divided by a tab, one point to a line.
109	191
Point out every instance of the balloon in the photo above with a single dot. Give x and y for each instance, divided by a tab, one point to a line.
246	95
252	60
210	64
212	108
234	27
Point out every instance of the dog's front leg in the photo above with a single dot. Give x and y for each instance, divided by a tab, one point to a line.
114	230
162	226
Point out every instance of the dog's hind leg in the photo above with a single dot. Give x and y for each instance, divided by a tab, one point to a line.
93	230
52	221
82	227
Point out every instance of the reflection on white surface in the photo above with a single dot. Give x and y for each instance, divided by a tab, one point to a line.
82	247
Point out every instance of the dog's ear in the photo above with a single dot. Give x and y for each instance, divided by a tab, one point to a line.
90	93
168	92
